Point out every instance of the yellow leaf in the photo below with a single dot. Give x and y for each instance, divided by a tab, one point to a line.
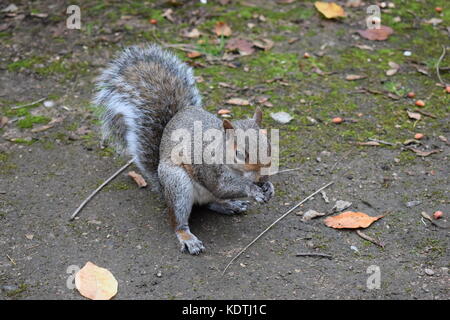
330	9
95	283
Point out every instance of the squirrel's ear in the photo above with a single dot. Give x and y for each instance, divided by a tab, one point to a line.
227	124
258	116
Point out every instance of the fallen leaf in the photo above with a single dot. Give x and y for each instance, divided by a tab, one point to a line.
194	54
329	9
222	29
341	205
238	102
311	214
168	15
193	34
3	121
264	44
281	117
414	115
376	34
140	181
244	47
364	47
352	77
223	111
434	21
96	283
368	143
424	153
350	220
29	236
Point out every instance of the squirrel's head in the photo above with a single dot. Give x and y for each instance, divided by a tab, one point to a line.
248	145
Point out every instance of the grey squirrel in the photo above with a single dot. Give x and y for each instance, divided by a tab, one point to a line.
146	94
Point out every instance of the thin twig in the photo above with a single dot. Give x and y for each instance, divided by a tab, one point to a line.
288	170
313	254
275	222
366	237
28	104
438	63
100	188
11	259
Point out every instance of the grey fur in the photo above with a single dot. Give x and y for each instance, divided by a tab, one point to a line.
146	94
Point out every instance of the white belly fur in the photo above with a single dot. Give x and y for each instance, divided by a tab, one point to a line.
201	194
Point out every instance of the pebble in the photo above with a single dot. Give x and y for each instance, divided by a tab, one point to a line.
159	274
49	103
407	53
429	272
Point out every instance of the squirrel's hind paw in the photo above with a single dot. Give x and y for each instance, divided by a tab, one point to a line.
190	243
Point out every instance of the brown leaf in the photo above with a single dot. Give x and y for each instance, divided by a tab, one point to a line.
238	102
423	153
352	77
193	34
223	111
264	44
368	143
244	47
329	9
414	115
168	15
96	283
3	121
222	29
376	34
140	181
350	220
194	54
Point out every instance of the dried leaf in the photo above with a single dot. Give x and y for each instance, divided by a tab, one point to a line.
376	34
424	153
140	181
281	117
244	47
193	34
391	72
96	283
194	54
330	9
311	214
3	121
368	143
414	115
238	102
352	77
350	220
264	44
222	29
223	111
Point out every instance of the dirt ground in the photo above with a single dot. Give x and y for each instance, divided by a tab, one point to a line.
46	172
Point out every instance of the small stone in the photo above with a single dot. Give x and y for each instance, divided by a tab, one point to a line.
407	53
159	274
49	103
429	272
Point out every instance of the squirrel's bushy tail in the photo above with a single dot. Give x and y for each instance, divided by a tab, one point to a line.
139	92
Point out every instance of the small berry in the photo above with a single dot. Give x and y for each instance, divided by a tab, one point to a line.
420	103
438	9
153	21
337	120
411	94
418	136
306	55
438	214
447	89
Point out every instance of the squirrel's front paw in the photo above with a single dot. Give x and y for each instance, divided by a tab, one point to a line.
268	189
263	192
189	243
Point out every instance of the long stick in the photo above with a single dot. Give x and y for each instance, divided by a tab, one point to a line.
100	188
275	222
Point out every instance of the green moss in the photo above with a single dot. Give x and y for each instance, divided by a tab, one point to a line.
14	293
30	120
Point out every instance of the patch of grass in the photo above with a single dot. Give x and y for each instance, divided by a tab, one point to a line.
14	293
30	120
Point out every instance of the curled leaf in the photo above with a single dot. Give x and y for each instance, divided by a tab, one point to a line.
222	29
